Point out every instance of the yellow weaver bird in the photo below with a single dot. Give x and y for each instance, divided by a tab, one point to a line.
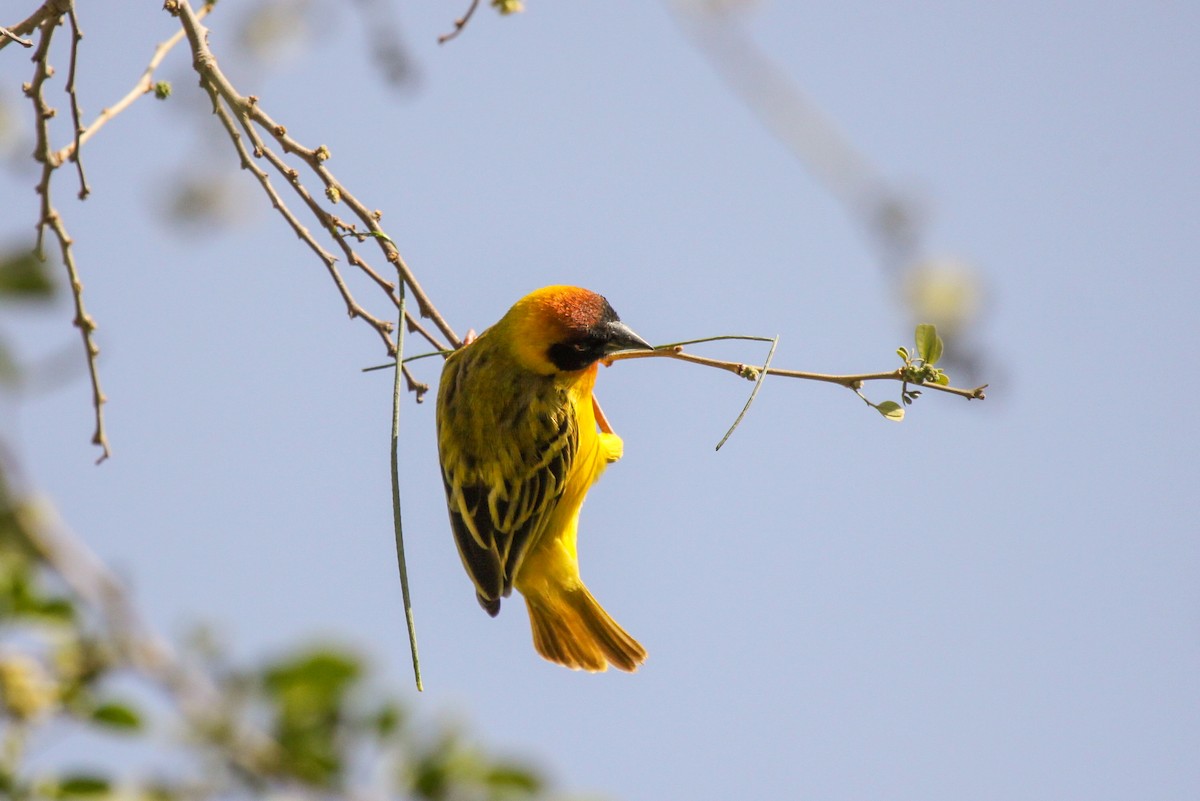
519	448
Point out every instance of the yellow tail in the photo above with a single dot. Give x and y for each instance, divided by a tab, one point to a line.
572	629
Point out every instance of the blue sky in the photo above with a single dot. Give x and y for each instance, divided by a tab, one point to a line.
990	600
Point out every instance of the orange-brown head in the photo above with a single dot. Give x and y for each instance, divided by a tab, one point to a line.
559	329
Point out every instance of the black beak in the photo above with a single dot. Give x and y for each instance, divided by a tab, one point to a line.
622	337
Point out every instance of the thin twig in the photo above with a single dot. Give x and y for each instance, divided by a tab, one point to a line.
301	231
353	308
76	36
417	388
416	327
144	86
250	115
87	326
315	158
50	219
408	612
459	23
744	371
6	34
762	374
792	117
50	9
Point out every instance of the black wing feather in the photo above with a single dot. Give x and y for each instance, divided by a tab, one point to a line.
500	494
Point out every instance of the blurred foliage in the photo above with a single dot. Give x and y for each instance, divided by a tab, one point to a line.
23	276
324	730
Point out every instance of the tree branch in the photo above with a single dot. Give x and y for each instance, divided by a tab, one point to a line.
460	23
51	9
144	650
144	86
229	104
76	36
7	35
49	217
752	372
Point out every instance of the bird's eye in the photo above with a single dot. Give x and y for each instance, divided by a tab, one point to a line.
579	347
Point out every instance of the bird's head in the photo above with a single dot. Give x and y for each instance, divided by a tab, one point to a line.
565	328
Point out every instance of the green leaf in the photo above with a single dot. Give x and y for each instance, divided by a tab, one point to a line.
902	352
514	780
52	610
117	716
83	785
929	344
943	379
24	275
891	410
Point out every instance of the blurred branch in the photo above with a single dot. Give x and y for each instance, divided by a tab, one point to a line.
192	692
943	290
799	124
237	111
49	217
305	725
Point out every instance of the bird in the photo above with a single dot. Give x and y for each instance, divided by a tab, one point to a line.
520	442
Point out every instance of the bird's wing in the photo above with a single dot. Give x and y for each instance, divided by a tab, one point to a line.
501	500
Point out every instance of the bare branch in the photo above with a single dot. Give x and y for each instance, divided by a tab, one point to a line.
6	35
460	23
51	9
49	218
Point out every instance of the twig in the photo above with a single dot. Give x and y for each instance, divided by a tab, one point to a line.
144	86
76	36
50	9
301	231
6	34
793	118
459	23
408	612
353	308
250	116
762	374
50	218
748	371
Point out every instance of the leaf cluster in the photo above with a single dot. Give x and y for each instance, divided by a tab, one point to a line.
919	368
